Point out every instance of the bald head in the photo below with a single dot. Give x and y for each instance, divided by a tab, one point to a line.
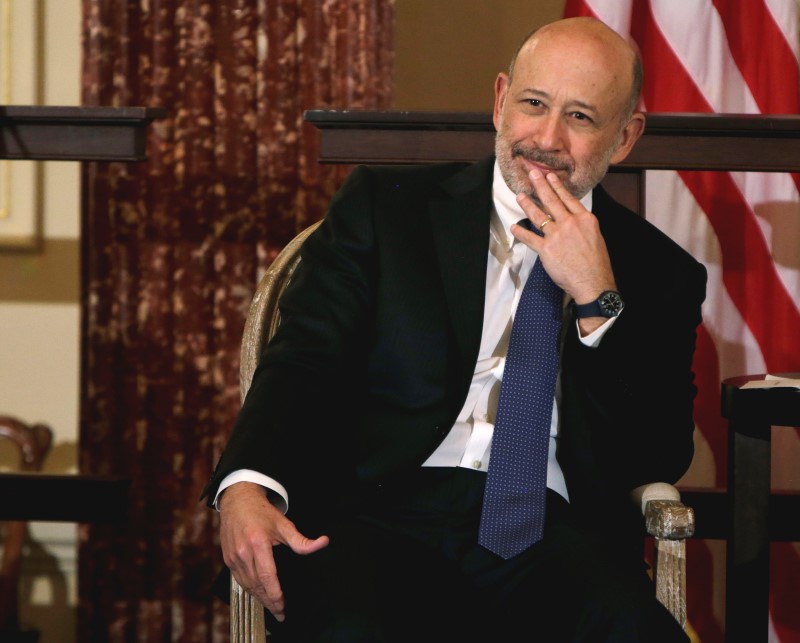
589	37
567	105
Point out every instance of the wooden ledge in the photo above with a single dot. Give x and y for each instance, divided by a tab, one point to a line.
75	133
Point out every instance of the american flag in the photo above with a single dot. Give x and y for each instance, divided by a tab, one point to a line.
728	56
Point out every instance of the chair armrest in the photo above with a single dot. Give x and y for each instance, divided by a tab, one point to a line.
671	523
247	624
666	517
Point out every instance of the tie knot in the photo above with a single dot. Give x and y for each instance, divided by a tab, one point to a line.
526	223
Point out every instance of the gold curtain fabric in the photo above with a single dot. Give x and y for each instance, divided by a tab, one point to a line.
171	251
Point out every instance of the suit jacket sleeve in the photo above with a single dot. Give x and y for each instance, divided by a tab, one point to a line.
363	377
287	425
628	404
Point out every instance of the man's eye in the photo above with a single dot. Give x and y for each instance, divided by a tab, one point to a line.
580	116
534	102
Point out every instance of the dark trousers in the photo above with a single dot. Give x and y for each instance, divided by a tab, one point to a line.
406	566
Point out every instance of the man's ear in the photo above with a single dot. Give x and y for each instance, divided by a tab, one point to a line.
501	85
630	134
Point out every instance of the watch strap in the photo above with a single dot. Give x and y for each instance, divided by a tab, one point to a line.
608	304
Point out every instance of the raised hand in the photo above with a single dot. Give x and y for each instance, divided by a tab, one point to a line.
572	249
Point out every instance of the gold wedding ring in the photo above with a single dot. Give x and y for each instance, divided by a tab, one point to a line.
548	220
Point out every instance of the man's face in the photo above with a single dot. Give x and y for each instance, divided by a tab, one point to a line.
562	113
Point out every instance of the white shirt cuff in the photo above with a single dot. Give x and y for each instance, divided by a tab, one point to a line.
279	497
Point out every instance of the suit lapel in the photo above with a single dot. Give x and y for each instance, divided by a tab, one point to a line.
460	225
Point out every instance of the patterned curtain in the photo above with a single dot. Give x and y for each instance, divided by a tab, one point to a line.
171	251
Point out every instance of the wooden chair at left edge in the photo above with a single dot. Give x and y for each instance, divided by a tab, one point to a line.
33	443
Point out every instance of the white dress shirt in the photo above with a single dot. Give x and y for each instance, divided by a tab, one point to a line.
469	441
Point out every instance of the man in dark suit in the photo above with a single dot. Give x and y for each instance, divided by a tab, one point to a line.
350	491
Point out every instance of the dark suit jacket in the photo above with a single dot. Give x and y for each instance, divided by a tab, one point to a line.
380	333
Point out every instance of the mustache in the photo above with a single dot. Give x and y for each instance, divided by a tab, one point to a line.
548	159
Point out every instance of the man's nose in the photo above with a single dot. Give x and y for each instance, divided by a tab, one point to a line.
550	134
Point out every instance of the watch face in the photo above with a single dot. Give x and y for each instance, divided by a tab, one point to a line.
611	303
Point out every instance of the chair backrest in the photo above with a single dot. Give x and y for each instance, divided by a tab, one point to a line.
33	443
263	317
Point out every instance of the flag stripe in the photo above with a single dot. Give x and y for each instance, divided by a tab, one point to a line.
739	236
678	91
707	60
748	270
784	13
775	92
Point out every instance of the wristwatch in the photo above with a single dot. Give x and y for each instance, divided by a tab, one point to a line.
608	304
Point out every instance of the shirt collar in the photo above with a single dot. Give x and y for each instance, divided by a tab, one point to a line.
507	208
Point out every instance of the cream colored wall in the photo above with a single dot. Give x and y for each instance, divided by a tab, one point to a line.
448	54
39	342
39	338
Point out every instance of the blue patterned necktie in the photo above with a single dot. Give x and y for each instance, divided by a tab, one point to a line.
512	517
